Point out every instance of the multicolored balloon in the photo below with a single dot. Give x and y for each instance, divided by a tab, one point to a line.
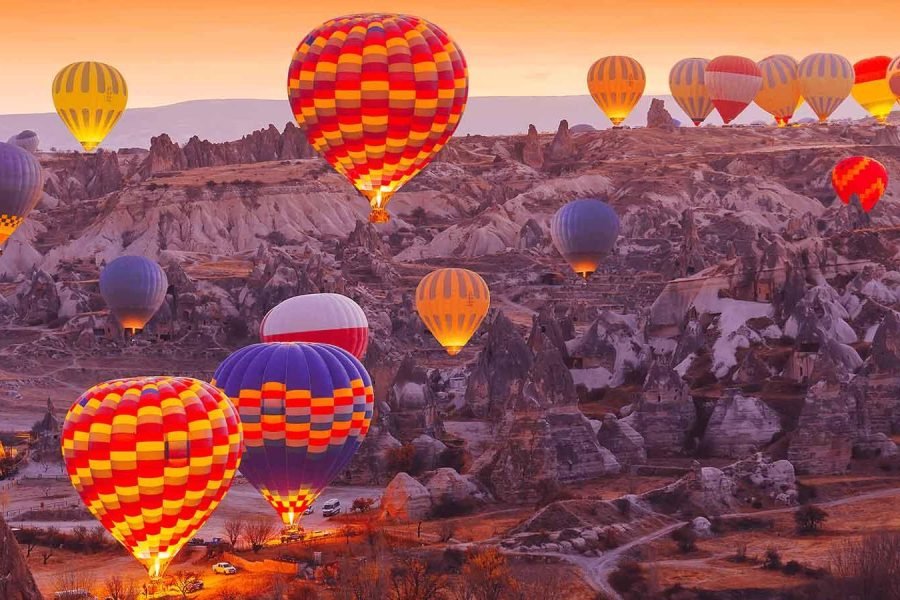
616	83
379	95
21	186
825	82
90	97
864	177
733	82
305	410
452	303
893	77
871	88
584	231
687	82
780	92
152	457
327	318
134	287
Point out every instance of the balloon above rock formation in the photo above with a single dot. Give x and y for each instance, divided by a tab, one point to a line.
825	82
327	318
732	82
90	97
21	185
134	287
780	92
687	81
452	303
860	176
616	83
584	231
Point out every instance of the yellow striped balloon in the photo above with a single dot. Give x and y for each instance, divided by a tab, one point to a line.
452	303
616	83
780	92
688	85
89	97
825	82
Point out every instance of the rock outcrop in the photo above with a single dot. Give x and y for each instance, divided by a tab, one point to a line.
739	425
405	499
626	444
499	373
16	581
532	153
665	413
658	117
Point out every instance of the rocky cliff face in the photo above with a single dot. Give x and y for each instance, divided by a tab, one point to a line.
16	581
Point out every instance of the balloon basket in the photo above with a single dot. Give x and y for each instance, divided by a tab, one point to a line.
379	215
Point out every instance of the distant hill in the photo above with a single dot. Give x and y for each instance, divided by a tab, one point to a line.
223	120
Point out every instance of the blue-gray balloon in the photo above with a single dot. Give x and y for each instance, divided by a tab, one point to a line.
27	140
134	288
584	231
21	184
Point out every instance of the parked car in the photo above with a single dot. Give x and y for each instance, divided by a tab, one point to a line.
310	509
291	535
216	541
196	542
194	586
331	507
224	568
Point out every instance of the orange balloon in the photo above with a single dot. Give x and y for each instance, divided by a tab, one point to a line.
452	303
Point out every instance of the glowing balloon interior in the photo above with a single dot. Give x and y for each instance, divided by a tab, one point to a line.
134	288
616	83
90	97
452	303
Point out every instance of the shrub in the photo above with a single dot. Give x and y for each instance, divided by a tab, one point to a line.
809	518
446	531
740	553
772	560
752	523
402	459
447	507
454	458
629	576
686	538
792	567
362	505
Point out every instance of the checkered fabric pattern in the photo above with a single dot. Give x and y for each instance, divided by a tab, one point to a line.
861	176
152	458
378	95
305	410
8	224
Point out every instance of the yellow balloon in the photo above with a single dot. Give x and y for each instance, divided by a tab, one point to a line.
780	92
452	303
616	84
825	82
90	97
872	88
687	80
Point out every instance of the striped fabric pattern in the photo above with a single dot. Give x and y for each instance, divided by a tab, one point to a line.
305	409
134	287
616	83
452	303
871	88
584	231
860	176
327	318
780	92
89	97
893	76
151	458
687	81
21	186
825	82
378	95
733	82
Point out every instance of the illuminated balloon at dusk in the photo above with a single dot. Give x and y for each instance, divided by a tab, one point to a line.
90	97
732	82
584	231
825	82
134	288
616	83
151	458
893	77
780	92
21	185
327	318
378	95
452	303
871	88
687	83
860	176
305	409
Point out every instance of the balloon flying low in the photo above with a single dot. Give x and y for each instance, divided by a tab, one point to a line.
378	95
134	287
616	83
584	231
152	457
452	303
328	318
825	82
687	82
21	185
864	177
733	82
89	97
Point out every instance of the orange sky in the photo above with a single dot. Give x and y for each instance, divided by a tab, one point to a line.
180	50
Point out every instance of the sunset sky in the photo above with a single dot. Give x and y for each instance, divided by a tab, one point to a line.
171	50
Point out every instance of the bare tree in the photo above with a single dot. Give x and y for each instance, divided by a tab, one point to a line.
361	581
412	580
74	580
869	567
259	532
119	588
183	582
487	576
46	554
234	530
446	531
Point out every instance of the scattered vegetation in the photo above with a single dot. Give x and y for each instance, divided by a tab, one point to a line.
772	560
258	532
868	567
686	538
362	505
809	518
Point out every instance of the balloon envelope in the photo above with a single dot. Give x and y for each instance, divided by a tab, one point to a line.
616	83
328	318
89	97
151	458
733	82
871	88
780	92
21	185
452	303
584	231
893	76
864	177
134	288
687	83
825	82
305	410
26	140
378	96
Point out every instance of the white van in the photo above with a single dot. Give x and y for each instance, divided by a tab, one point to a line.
331	507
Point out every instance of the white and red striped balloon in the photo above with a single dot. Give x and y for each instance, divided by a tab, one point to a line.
732	83
324	318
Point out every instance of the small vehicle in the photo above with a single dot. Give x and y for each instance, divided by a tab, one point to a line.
310	509
331	507
195	585
215	541
291	535
196	542
74	595
224	568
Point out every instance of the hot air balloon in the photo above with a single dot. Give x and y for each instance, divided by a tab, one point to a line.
893	76
21	185
871	88
584	231
89	97
780	92
378	96
152	457
305	410
864	177
134	288
616	83
687	82
26	140
452	303
825	82
328	318
732	82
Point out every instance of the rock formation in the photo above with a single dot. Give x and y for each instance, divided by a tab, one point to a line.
562	148
405	499
626	444
658	117
664	413
532	153
16	581
739	424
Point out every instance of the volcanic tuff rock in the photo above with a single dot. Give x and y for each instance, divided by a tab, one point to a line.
16	581
658	117
413	402
532	152
446	485
738	425
562	149
664	413
37	299
626	444
405	499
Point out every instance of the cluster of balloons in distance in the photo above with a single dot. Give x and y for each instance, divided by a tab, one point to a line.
778	84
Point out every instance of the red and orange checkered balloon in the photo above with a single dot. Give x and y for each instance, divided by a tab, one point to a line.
152	457
861	176
378	95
